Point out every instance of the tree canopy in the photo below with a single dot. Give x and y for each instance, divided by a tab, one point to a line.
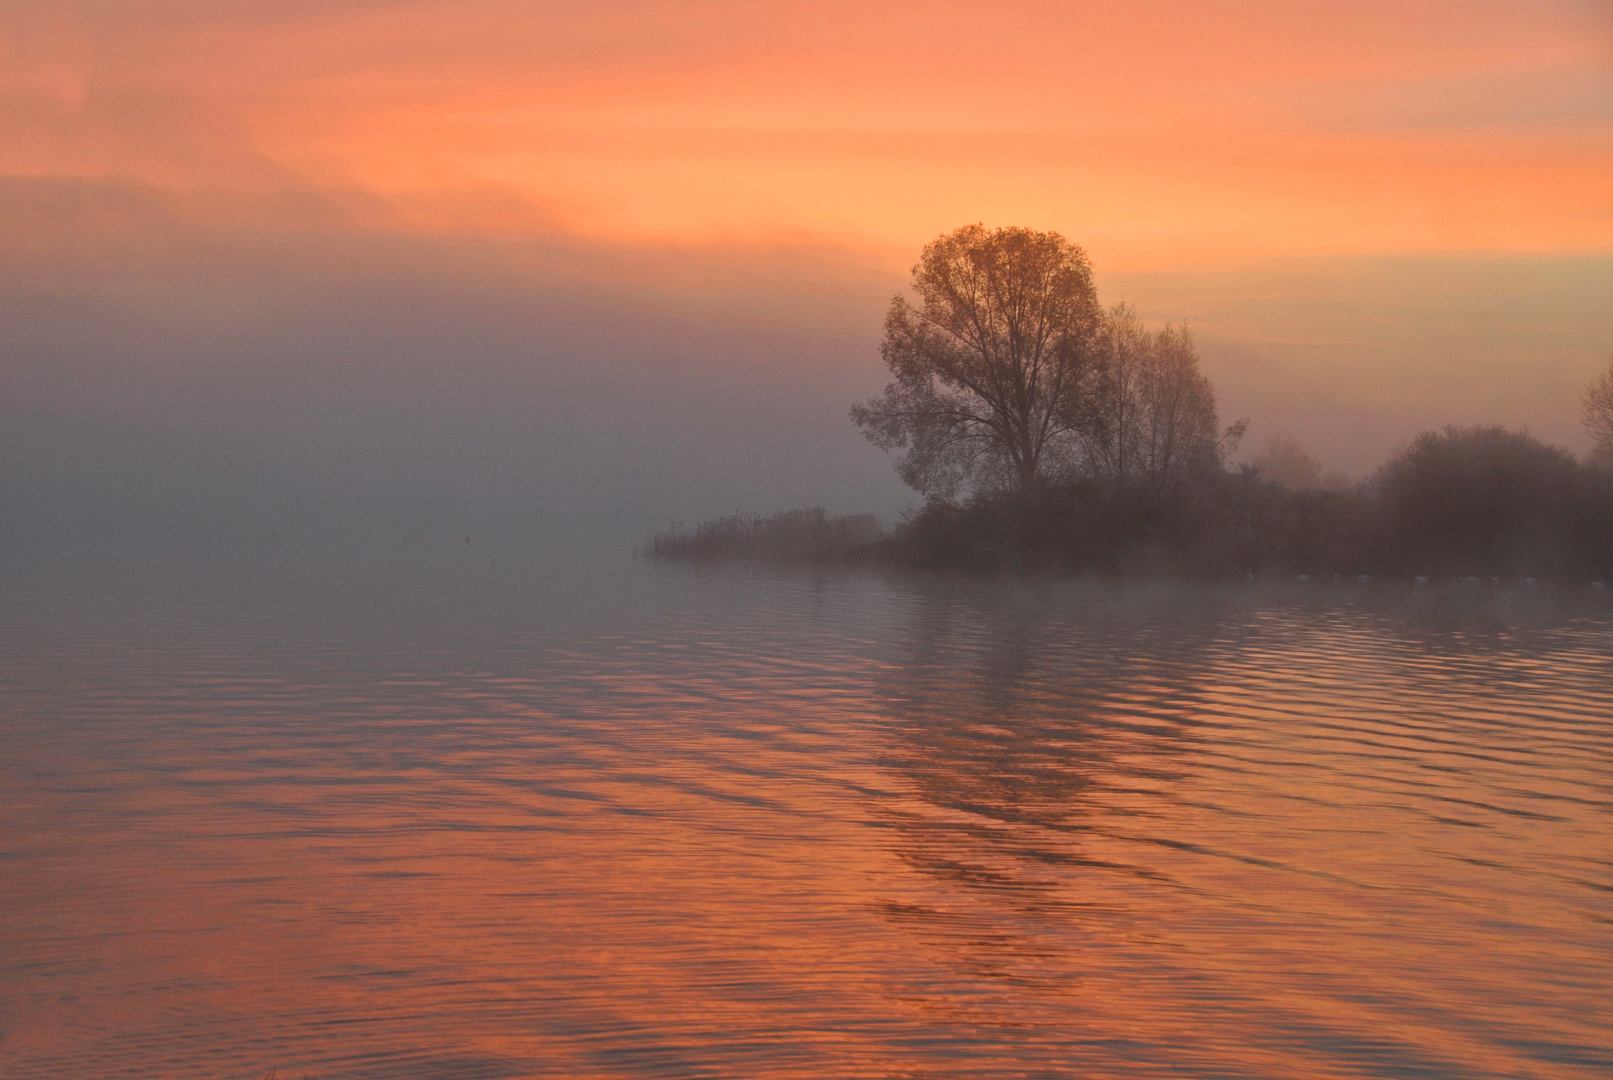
1008	374
1148	415
989	365
1485	498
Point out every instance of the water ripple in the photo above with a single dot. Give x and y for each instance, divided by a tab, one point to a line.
687	824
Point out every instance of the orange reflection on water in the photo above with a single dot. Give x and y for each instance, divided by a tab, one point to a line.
849	828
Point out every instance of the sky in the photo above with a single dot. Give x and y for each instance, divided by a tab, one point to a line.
570	270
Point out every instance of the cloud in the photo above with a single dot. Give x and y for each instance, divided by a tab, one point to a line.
577	269
1161	132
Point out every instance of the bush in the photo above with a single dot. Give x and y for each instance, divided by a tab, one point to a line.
1487	501
1216	525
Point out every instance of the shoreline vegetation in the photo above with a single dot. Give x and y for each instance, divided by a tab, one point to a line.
1474	506
1046	432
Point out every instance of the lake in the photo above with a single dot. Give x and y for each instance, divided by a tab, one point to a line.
619	819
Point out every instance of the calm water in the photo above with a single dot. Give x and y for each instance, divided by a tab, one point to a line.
636	821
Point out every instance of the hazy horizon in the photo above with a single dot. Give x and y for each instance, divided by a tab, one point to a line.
392	269
352	353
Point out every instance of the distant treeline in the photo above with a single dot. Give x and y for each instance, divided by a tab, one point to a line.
1483	502
791	535
1045	431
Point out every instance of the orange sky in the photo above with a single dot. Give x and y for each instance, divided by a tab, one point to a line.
1158	134
1378	217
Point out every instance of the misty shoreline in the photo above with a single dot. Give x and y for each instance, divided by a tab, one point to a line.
1478	508
1047	431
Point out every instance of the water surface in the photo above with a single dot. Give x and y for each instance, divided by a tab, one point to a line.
621	820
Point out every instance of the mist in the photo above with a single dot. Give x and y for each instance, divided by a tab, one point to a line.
336	386
174	383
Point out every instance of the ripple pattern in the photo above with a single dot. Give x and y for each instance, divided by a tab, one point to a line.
787	825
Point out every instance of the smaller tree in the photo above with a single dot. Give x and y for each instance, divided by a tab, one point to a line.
1181	433
1149	418
1598	416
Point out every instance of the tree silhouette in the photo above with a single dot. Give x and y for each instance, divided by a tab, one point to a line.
990	367
1148	417
1598	416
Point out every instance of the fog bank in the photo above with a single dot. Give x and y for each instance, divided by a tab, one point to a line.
167	382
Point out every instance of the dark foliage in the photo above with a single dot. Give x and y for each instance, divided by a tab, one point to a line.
1483	502
1214	526
1487	501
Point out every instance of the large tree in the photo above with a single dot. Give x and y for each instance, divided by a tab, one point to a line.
990	365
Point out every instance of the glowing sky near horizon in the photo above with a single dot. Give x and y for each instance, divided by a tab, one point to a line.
268	261
1157	133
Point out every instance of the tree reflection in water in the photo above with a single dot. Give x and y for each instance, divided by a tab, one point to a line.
1220	833
1026	722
